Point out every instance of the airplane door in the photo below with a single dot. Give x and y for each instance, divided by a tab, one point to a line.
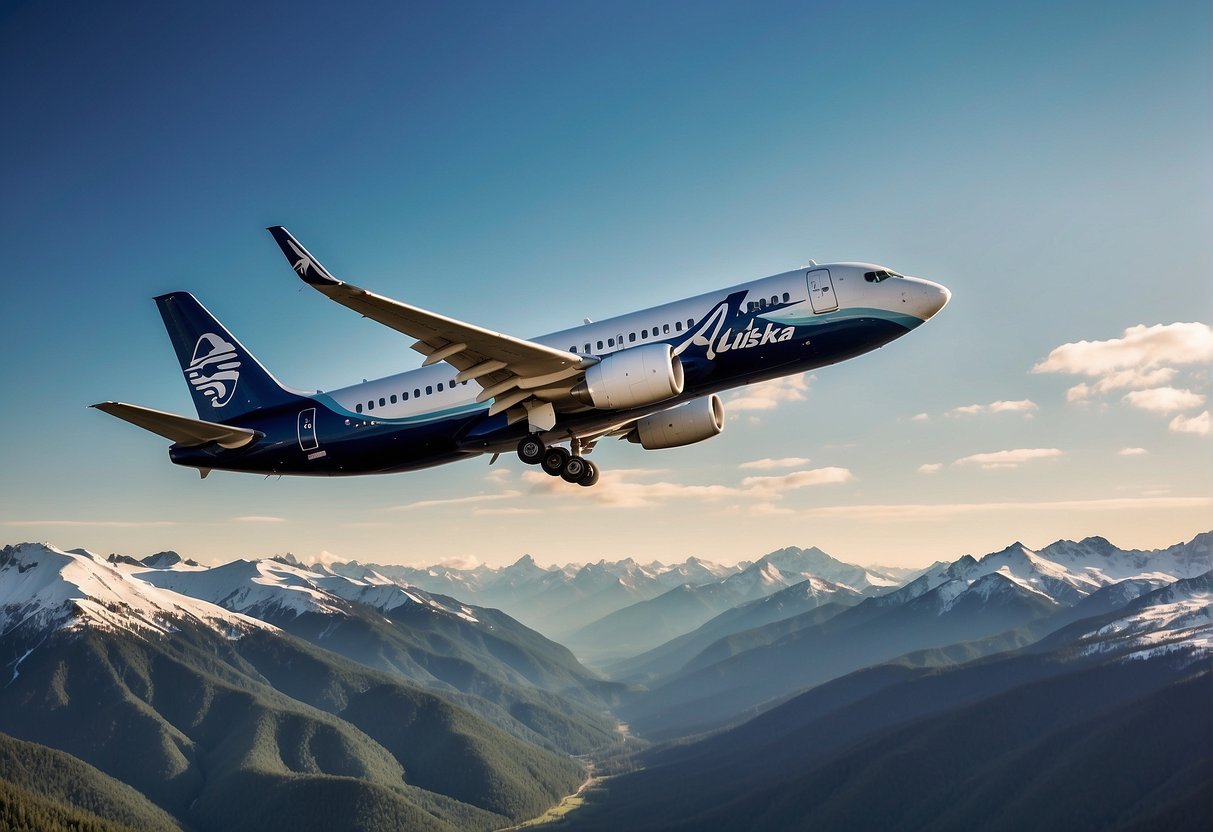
821	291
307	430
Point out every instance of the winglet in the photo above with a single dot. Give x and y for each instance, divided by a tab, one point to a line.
301	260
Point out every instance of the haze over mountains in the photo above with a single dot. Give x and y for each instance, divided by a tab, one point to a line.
267	692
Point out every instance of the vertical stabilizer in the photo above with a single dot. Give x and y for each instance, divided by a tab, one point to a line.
225	380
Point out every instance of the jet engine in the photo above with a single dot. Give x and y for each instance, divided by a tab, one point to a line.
688	423
632	378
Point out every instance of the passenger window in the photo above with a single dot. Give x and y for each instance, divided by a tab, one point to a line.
690	322
404	396
417	393
599	345
393	398
610	342
382	402
644	333
429	389
370	405
440	387
358	407
665	329
573	349
631	337
786	297
678	325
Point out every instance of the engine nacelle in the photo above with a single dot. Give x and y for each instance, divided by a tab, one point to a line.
686	424
632	378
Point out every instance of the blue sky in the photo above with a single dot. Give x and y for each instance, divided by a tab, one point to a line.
524	165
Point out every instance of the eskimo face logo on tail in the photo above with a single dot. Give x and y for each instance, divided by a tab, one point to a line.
214	369
715	337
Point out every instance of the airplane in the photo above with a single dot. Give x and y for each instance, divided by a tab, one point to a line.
652	377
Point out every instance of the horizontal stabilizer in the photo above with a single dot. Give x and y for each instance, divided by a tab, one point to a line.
182	430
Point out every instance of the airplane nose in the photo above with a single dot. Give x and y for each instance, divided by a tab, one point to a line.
930	298
939	299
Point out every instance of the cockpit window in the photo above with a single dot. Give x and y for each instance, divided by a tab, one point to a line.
876	277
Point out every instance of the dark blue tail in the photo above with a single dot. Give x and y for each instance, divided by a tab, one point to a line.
225	379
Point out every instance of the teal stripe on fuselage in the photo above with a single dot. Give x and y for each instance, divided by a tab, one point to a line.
416	419
846	314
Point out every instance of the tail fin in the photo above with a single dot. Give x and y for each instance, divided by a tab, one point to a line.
225	379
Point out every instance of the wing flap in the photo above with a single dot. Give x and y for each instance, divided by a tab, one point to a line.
180	429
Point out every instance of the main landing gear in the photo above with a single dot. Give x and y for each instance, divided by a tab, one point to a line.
558	462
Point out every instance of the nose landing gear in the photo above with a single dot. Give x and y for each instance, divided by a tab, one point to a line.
555	461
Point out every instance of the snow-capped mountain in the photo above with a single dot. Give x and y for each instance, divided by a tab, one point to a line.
965	610
694	571
1064	572
1176	617
45	589
792	565
269	588
648	624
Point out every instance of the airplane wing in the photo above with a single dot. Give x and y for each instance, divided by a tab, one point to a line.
509	369
182	430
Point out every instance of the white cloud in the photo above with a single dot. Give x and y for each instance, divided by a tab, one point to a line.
258	518
1135	379
617	489
797	479
1008	459
930	468
507	511
1132	452
1025	406
1141	347
769	394
1164	399
1079	393
768	464
1201	425
454	501
921	417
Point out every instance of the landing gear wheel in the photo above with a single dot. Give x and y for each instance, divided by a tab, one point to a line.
589	476
531	450
554	460
574	469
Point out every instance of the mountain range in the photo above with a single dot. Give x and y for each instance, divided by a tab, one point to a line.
789	691
1104	724
1003	600
226	720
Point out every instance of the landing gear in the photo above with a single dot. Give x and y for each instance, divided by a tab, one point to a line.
531	449
574	469
559	462
555	460
590	477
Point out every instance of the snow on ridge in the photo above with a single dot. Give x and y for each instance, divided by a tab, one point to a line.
273	587
47	588
1178	616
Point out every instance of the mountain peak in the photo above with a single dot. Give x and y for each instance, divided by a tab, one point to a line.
162	560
